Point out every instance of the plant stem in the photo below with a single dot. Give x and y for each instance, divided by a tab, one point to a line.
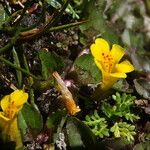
32	99
31	82
18	68
17	63
6	47
25	62
66	26
61	125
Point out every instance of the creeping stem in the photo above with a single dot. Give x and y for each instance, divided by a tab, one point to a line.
31	90
66	26
18	68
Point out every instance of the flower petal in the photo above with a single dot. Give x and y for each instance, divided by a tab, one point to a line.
2	117
5	102
108	81
100	46
98	63
118	75
11	130
19	97
117	52
71	106
103	44
124	66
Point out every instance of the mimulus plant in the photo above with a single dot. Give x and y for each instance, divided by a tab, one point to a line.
108	62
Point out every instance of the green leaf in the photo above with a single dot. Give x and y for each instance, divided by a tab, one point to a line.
29	118
3	15
121	108
50	62
142	146
107	109
96	20
87	70
54	119
22	124
79	134
123	101
142	86
131	117
43	85
54	3
69	9
74	136
140	59
123	129
96	25
97	124
131	39
117	143
122	86
115	129
17	63
137	39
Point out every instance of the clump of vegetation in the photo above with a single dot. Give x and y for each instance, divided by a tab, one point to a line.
121	108
98	124
116	115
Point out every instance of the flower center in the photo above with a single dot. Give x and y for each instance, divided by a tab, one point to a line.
107	62
10	110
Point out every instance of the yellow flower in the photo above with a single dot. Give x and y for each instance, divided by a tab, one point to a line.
67	97
11	105
108	62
